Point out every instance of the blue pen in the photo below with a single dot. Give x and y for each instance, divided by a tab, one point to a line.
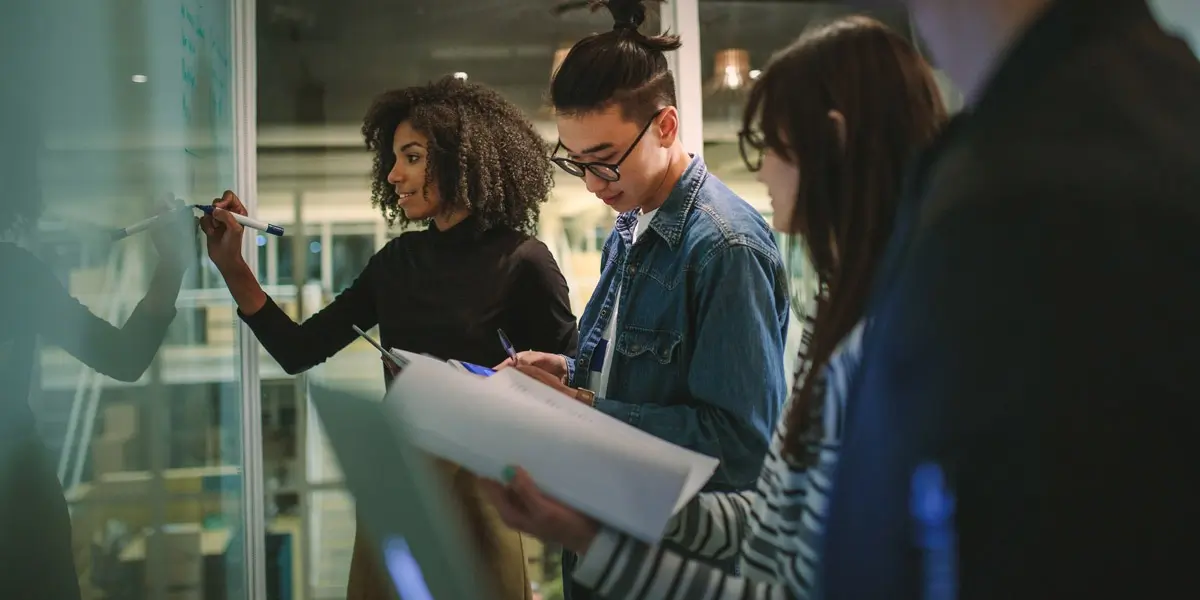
932	506
508	347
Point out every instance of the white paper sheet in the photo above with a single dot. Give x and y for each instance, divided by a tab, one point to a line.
608	469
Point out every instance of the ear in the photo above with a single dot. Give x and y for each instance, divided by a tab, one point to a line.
668	126
839	125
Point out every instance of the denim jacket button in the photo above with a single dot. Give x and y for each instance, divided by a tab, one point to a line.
632	269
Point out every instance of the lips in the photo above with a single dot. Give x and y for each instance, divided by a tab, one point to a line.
612	199
402	196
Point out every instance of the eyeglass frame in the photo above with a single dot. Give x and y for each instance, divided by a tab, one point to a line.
566	163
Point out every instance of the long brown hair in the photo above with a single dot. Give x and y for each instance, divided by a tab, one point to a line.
849	187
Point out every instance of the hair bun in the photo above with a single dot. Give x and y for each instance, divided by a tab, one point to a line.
626	14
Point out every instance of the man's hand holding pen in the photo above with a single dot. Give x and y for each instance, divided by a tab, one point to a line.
554	365
550	369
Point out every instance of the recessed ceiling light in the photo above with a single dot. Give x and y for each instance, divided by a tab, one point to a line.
755	73
139	79
460	75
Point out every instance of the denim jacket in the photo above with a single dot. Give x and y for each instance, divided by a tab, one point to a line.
701	325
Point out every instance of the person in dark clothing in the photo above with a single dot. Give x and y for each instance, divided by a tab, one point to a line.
1029	364
35	526
462	159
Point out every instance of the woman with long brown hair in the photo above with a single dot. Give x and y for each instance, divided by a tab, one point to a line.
829	127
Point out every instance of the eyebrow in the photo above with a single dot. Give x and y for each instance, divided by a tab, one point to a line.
591	150
410	145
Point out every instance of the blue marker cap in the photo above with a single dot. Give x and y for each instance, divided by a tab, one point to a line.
274	230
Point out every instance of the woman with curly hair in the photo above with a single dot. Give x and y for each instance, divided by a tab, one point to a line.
458	157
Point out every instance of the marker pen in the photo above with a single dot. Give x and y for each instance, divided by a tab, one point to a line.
245	221
141	226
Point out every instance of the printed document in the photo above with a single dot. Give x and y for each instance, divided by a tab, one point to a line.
603	467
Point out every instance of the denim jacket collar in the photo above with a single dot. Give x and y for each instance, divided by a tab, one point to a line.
672	216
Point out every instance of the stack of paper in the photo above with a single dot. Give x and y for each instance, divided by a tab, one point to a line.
608	469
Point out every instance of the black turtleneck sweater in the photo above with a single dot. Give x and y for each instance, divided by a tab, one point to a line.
442	293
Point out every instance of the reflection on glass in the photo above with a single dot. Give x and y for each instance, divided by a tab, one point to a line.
130	416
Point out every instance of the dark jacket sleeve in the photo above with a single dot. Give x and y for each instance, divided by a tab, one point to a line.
298	347
121	353
548	325
1029	347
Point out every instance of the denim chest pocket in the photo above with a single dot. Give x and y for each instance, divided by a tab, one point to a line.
661	345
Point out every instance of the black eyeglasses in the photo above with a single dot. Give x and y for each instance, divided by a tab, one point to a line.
752	147
606	171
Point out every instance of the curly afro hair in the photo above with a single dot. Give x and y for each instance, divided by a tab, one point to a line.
484	154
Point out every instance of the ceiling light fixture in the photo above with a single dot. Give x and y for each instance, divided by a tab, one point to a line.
731	69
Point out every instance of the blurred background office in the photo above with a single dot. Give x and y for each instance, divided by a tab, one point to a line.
209	478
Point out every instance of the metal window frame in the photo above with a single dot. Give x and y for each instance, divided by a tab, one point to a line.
682	17
245	89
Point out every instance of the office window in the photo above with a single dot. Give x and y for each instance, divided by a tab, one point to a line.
352	249
308	250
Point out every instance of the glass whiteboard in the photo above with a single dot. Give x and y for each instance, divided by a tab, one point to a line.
108	107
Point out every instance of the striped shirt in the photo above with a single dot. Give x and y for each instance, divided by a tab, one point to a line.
773	529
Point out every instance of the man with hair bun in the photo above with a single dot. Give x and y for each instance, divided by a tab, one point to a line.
684	334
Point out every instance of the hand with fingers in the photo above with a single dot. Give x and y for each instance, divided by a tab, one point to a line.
390	368
555	383
174	234
223	233
554	364
522	506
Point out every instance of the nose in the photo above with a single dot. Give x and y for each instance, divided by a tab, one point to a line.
395	176
594	184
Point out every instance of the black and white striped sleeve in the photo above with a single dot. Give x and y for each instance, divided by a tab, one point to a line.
619	567
712	524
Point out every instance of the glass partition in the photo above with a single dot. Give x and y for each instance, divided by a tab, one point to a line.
109	108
